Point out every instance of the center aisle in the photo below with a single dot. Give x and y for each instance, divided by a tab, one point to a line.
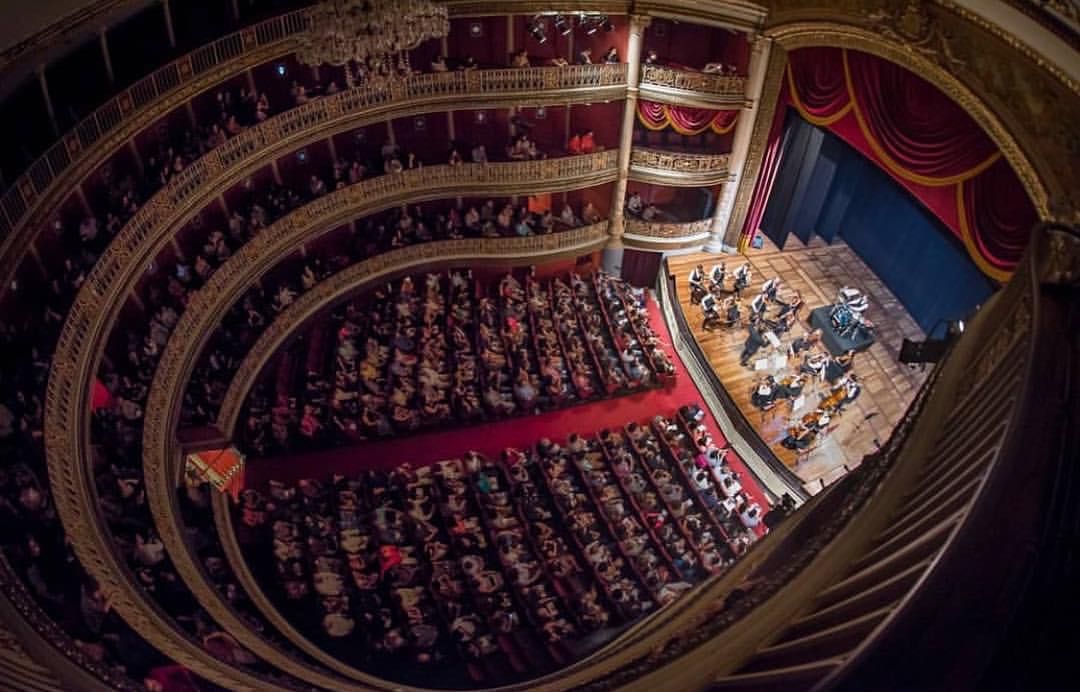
491	438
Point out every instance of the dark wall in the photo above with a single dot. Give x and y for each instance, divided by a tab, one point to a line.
694	45
826	188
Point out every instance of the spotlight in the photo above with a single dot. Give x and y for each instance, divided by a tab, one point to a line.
563	25
591	25
606	25
538	29
281	69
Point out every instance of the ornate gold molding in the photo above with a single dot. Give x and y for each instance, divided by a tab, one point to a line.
763	119
34	196
97	306
686	87
932	63
667	230
678	168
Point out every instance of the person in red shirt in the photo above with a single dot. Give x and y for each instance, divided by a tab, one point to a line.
574	147
588	142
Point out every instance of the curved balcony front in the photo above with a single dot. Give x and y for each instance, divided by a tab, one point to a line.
97	307
345	110
692	88
678	169
665	235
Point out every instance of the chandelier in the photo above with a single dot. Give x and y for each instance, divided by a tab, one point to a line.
370	38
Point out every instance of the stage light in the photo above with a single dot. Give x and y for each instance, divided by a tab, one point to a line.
281	69
591	24
563	25
606	25
538	29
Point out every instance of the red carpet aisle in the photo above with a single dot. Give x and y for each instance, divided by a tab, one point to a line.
492	438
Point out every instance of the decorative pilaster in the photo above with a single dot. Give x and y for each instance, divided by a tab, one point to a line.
626	134
744	130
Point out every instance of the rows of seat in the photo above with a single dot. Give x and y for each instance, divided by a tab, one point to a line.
425	351
496	569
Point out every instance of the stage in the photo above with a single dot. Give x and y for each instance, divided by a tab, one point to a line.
818	271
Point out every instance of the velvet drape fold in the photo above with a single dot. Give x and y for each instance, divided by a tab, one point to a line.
684	119
923	139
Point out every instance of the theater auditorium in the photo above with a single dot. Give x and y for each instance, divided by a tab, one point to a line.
432	345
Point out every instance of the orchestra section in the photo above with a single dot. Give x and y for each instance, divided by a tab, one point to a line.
805	342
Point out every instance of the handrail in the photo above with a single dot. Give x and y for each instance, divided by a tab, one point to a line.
356	106
689	80
668	230
97	306
106	124
682	169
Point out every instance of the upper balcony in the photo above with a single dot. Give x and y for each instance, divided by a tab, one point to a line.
679	169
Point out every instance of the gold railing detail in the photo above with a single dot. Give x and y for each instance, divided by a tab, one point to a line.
727	87
678	168
44	184
445	90
668	230
96	308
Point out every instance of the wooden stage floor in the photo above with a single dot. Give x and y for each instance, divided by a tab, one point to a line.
817	271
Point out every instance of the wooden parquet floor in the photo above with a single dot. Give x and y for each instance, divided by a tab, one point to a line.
817	271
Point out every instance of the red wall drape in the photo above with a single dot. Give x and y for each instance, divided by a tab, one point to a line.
684	119
923	139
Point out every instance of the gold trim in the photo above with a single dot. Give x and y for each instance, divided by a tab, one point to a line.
678	169
137	108
664	231
97	306
763	120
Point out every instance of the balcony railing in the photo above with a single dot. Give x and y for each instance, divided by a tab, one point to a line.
97	307
719	87
108	120
677	168
682	231
448	89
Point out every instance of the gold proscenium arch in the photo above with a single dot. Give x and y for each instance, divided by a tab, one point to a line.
805	34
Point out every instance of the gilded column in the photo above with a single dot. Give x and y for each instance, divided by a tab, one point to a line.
626	135
744	130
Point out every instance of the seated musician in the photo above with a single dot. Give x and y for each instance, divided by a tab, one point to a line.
838	366
789	387
814	363
731	311
770	289
804	343
758	306
802	434
851	388
742	277
764	393
697	284
717	276
790	307
711	314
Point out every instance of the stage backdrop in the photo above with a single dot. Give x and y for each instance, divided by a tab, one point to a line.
925	141
826	187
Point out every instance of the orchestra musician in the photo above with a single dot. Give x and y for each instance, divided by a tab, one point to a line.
789	387
754	340
791	307
802	434
764	394
697	284
813	363
770	289
758	306
804	343
730	307
717	276
838	366
742	278
711	317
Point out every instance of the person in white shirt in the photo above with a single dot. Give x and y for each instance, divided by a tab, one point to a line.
742	278
717	276
770	288
758	306
635	204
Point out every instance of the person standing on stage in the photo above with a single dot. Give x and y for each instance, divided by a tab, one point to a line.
754	341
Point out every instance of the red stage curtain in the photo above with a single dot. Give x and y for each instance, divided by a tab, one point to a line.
923	139
685	120
770	164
